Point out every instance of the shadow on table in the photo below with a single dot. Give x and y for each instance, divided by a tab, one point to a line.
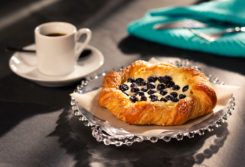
134	45
78	141
21	99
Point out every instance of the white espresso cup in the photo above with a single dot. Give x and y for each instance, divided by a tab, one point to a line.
57	47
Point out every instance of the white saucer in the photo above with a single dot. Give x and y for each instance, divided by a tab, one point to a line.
25	65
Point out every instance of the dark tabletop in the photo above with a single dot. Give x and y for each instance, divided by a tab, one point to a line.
37	127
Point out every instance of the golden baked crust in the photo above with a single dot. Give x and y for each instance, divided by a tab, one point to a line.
200	98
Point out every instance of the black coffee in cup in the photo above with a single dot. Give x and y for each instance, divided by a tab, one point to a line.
55	34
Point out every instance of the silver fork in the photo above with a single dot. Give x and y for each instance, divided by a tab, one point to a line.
214	36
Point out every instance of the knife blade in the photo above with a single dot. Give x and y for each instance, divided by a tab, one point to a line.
187	23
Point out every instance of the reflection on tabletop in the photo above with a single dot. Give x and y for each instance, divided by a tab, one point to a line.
78	141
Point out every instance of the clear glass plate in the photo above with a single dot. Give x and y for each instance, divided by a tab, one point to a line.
109	135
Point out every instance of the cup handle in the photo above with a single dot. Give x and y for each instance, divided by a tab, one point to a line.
79	33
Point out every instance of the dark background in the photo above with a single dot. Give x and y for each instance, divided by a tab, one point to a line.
36	123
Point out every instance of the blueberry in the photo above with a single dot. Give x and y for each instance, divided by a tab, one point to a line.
143	98
161	79
163	99
174	94
150	92
160	87
165	79
182	96
169	84
169	97
133	85
153	98
174	99
123	87
141	93
185	88
140	81
135	89
144	89
133	99
143	83
131	80
152	79
150	85
176	87
163	92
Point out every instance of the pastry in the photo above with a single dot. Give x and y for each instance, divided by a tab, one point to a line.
157	94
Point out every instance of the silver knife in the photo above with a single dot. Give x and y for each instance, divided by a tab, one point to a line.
187	23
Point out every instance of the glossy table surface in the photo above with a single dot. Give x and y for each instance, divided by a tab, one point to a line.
37	127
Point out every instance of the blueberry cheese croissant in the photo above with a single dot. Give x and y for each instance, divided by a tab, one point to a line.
159	94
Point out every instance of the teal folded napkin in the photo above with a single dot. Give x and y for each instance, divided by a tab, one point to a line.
214	14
